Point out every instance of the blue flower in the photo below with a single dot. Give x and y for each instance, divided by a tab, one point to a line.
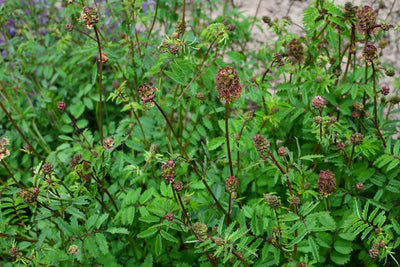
148	4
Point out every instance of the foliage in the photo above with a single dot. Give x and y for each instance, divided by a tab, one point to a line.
141	133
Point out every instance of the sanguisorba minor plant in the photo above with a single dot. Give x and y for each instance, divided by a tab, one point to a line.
140	133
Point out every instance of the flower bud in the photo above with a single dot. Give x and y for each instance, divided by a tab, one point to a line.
231	184
168	171
228	84
326	183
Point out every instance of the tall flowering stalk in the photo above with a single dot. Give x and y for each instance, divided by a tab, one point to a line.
229	88
147	94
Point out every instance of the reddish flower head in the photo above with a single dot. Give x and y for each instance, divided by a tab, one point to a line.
228	84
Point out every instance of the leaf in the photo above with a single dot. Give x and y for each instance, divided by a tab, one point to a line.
313	248
327	221
168	236
101	219
311	157
215	143
158	245
147	233
298	238
91	221
339	259
102	243
343	246
91	246
75	212
121	230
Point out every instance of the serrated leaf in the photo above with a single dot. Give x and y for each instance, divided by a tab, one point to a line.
101	219
91	246
121	230
147	233
343	246
215	143
396	226
339	259
168	236
311	157
298	238
75	212
91	221
313	248
289	217
102	243
327	221
158	245
149	219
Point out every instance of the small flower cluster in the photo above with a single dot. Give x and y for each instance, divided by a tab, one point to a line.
326	183
374	251
262	144
168	171
231	184
29	196
318	102
89	16
47	168
103	58
73	250
200	230
366	19
146	93
369	53
272	200
4	152
295	51
108	143
357	139
228	84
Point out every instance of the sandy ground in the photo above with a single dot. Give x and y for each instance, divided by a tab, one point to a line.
293	9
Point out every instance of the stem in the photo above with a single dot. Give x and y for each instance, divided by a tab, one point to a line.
19	131
183	150
376	105
100	84
227	137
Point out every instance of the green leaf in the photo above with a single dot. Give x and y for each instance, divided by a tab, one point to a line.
343	246
168	236
327	221
215	143
311	157
91	246
298	238
339	259
75	212
102	243
313	248
121	230
147	233
158	245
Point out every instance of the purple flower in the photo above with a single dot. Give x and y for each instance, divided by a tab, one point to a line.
149	4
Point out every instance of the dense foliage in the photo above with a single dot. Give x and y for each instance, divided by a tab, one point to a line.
158	133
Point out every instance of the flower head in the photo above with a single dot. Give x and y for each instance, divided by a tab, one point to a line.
89	16
200	229
295	50
73	250
146	93
366	19
326	183
262	144
228	84
273	201
4	152
168	171
231	184
108	143
318	102
178	186
357	139
370	52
